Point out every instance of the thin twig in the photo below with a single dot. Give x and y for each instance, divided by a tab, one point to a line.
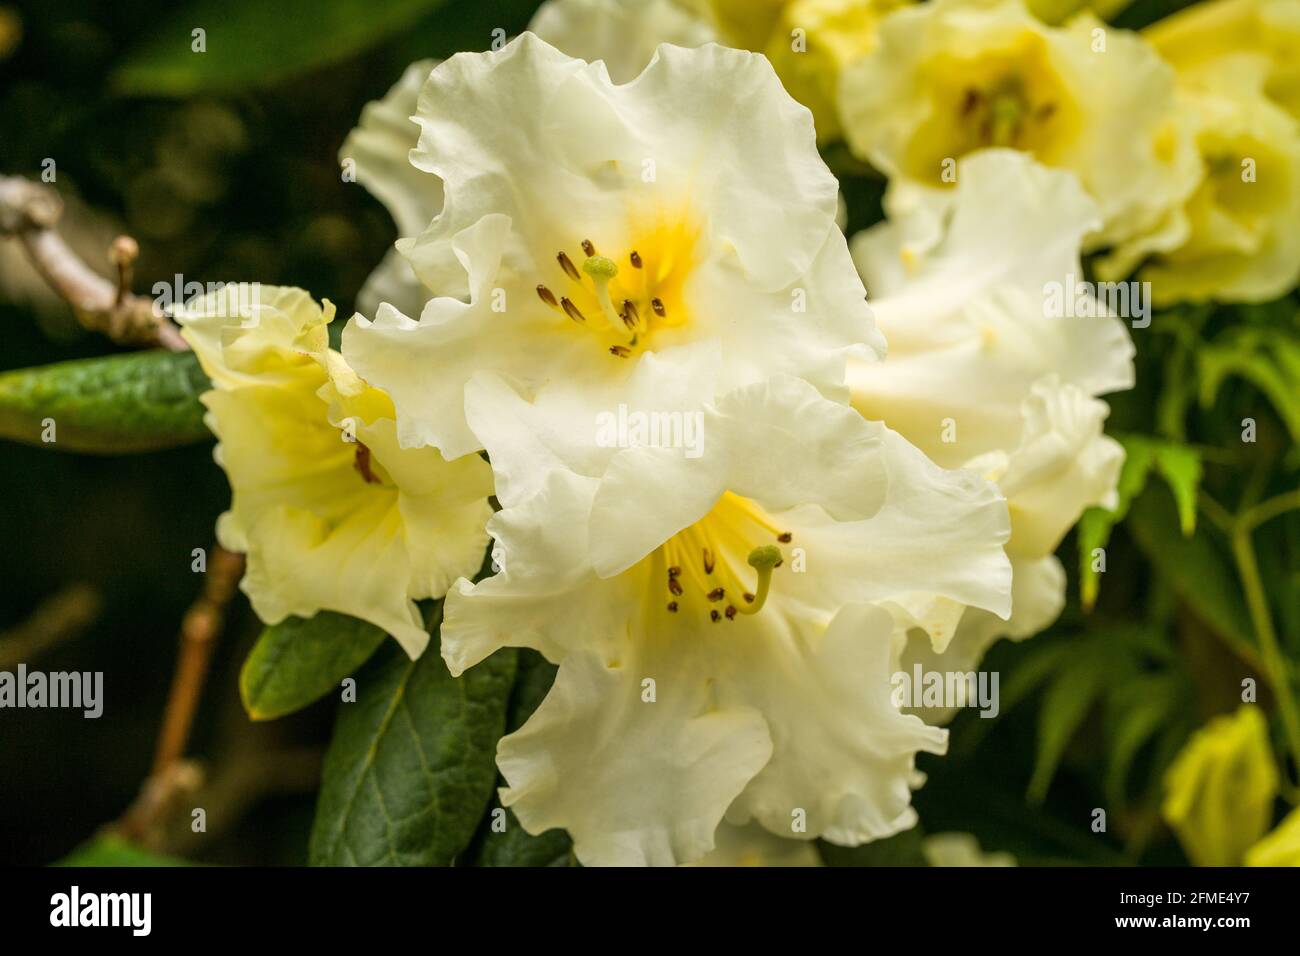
199	632
172	777
30	213
58	618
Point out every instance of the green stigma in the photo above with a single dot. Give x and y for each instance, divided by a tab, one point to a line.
762	559
599	267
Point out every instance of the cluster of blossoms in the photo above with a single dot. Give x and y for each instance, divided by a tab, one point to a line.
591	221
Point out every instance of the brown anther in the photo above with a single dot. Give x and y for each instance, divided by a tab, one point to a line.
362	464
658	305
717	594
674	571
731	612
715	617
779	563
749	598
1046	111
635	259
622	351
785	537
588	248
675	586
708	561
547	296
571	310
567	265
631	317
970	101
672	606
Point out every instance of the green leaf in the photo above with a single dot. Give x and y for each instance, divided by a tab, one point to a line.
1267	358
298	661
140	401
502	840
1198	572
1065	705
514	846
1180	467
251	44
410	770
112	850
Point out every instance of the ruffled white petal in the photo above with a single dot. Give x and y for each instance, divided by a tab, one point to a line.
702	164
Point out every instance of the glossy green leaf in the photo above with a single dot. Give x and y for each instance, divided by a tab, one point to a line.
502	840
298	661
138	401
247	45
410	770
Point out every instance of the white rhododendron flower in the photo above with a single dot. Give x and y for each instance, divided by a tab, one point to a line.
985	372
751	845
622	33
718	619
587	225
377	155
331	513
960	849
951	77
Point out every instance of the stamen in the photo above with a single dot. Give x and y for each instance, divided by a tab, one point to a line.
571	310
674	571
588	248
715	617
658	305
631	317
635	259
672	606
717	594
785	537
675	586
547	296
731	612
567	265
622	351
708	561
362	464
762	560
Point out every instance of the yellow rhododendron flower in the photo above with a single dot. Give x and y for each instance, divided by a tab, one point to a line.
331	513
1238	234
1058	11
1279	848
951	77
1202	34
982	374
1219	793
813	41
